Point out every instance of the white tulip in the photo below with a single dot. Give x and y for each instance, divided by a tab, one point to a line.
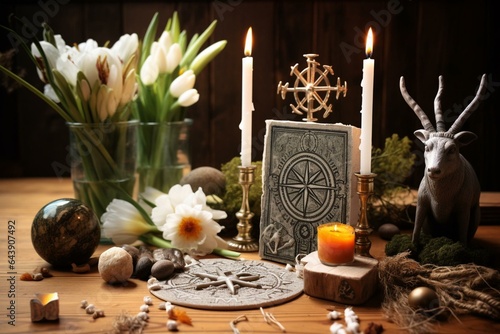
182	83
115	83
165	40
85	89
87	46
67	68
160	58
149	71
61	44
48	91
174	57
129	87
126	46
188	98
52	54
102	103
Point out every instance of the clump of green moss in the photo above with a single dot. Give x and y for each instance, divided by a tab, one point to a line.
440	251
400	243
393	164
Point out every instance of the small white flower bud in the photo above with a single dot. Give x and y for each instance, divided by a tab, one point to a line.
144	308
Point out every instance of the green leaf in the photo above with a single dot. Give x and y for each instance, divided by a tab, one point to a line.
67	97
175	27
206	56
39	94
194	47
149	38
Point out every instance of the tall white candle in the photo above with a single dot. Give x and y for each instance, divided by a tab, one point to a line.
246	103
367	107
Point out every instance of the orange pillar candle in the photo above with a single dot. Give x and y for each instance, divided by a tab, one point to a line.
335	243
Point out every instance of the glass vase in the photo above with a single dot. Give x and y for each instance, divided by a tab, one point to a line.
164	155
103	162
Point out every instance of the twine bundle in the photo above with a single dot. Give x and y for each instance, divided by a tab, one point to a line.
461	289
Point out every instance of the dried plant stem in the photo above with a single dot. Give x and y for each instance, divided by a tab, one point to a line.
461	289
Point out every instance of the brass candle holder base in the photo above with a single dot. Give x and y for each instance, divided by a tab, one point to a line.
243	242
363	230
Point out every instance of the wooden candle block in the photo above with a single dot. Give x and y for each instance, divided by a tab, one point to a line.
351	284
45	306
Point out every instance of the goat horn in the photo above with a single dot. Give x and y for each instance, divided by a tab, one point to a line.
416	108
437	107
459	122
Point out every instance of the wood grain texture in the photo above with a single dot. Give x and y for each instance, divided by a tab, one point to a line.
418	39
351	284
20	199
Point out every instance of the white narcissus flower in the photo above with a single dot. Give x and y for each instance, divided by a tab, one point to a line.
192	230
188	98
182	83
166	203
123	223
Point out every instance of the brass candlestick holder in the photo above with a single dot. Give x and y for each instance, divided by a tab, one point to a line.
243	242
363	230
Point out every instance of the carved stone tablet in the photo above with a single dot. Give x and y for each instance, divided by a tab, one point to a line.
308	179
214	284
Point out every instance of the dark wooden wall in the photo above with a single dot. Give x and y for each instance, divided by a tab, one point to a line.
418	39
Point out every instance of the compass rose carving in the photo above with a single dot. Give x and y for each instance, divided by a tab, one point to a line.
307	185
312	86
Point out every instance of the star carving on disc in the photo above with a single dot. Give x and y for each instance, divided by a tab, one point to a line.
229	280
207	283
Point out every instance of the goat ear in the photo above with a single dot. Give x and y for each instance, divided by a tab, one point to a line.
422	135
464	138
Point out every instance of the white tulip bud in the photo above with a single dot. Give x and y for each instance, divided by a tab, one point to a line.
174	57
182	83
160	58
149	71
188	98
165	40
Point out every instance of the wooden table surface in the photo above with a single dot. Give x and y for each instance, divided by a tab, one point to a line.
20	199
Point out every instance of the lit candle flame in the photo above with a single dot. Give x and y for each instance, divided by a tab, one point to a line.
248	43
369	43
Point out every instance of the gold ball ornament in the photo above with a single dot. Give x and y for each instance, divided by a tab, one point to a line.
423	298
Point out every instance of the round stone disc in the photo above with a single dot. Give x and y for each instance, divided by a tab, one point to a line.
276	285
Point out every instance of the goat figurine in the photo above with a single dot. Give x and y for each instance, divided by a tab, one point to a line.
448	195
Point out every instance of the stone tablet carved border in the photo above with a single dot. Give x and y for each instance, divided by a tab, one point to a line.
308	179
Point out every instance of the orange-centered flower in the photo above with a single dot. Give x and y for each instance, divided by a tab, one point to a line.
190	228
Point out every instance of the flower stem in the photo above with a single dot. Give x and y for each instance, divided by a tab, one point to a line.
160	242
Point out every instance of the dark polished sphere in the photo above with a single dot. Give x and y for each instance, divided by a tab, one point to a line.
65	231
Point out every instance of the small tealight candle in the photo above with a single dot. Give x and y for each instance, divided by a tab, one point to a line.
335	244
